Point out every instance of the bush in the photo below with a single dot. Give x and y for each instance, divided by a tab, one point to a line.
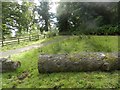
103	30
51	33
108	30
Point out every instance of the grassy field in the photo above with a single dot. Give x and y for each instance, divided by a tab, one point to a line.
75	44
83	43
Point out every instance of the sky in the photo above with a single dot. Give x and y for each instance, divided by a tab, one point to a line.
53	6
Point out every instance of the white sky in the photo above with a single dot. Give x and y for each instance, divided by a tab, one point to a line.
53	6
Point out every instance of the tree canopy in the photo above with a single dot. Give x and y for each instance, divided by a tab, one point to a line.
17	17
72	17
87	16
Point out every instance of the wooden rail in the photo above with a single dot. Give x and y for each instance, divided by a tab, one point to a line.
19	40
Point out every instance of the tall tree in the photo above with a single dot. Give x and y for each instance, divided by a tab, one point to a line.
10	13
44	15
63	14
17	16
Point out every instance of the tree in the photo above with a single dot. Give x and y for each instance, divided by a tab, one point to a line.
16	16
63	16
82	16
44	15
28	17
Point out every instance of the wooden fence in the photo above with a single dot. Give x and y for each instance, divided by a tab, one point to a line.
19	40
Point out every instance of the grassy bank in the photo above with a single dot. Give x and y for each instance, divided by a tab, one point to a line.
84	43
75	44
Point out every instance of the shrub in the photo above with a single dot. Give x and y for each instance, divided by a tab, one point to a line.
51	33
103	30
108	30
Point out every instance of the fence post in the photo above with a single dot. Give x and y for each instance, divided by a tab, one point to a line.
38	37
18	41
2	43
29	38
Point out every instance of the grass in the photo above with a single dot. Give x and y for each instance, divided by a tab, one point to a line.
75	44
82	43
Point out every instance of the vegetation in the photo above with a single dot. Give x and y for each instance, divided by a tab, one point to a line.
24	19
84	43
97	18
17	17
75	44
42	10
74	18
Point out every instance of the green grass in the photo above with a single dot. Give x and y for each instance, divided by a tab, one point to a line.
83	43
75	44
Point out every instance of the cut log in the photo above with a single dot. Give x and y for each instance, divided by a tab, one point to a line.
7	65
86	61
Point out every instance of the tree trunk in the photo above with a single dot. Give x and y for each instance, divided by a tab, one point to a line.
46	25
93	61
7	65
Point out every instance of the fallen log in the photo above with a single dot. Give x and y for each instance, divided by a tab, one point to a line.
86	61
7	65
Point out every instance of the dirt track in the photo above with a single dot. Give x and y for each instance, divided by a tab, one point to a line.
19	50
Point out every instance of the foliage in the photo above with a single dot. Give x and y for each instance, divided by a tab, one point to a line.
103	30
51	33
17	17
108	30
44	15
85	17
7	17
